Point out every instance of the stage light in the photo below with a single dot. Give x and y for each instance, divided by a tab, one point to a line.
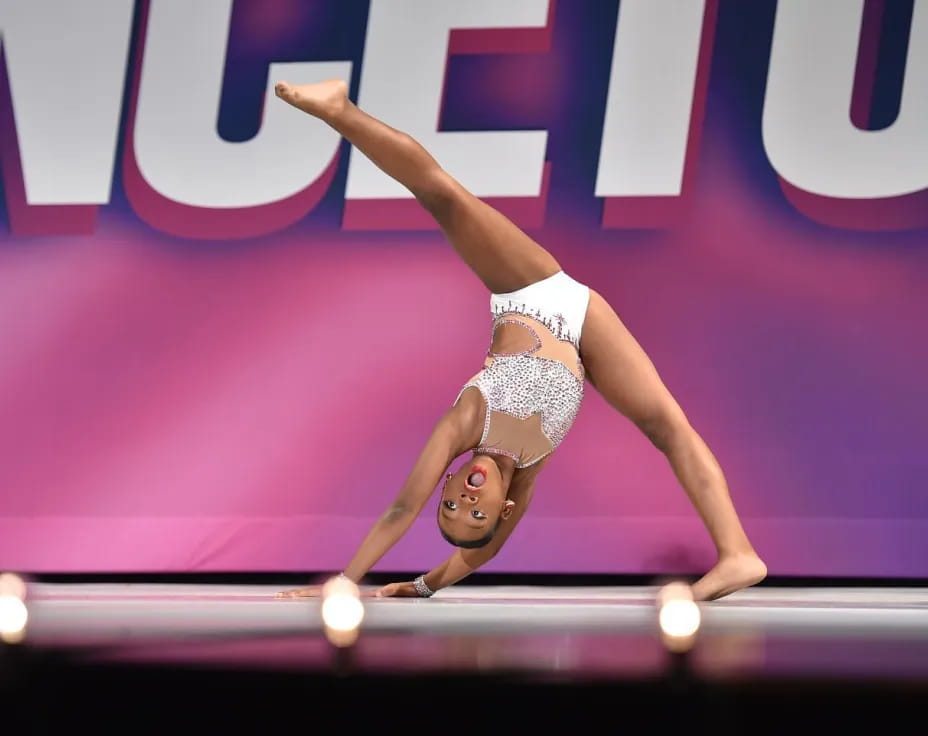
14	585
342	611
13	612
678	616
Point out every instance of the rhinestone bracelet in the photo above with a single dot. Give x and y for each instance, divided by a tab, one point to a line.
422	589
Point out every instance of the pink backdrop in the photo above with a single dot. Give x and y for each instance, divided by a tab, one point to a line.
197	401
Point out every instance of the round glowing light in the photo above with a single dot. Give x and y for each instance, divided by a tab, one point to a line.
13	585
342	610
679	618
13	618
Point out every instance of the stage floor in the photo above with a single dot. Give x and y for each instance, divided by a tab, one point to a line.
568	632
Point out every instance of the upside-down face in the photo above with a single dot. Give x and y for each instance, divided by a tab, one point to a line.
473	501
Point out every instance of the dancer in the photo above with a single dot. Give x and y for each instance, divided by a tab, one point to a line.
549	333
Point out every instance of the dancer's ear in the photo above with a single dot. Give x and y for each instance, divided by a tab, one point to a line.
508	506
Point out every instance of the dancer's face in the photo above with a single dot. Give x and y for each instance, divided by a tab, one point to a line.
473	500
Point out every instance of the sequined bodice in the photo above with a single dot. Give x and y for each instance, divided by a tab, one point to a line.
533	394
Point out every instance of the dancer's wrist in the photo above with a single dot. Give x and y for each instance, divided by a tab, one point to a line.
423	588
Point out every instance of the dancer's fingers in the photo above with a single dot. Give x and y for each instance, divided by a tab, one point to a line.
310	592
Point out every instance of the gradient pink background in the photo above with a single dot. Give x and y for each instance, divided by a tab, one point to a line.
172	404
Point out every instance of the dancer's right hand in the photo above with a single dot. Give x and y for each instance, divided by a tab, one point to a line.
313	591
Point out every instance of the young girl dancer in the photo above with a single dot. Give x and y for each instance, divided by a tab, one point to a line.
549	333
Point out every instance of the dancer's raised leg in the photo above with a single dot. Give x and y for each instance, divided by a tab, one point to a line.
501	255
620	370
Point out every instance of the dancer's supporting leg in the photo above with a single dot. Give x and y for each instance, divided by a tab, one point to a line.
501	255
620	370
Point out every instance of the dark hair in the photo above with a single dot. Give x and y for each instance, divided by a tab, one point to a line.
470	543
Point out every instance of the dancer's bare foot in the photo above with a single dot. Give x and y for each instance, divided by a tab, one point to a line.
324	100
731	573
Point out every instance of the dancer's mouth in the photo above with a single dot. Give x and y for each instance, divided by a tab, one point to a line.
476	478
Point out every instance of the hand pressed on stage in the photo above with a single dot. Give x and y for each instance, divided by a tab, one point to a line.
397	590
315	591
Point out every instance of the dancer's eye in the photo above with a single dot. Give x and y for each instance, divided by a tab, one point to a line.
478	514
450	505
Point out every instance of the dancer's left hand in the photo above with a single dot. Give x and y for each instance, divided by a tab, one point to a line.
397	590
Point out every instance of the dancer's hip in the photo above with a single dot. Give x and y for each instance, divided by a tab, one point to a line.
558	301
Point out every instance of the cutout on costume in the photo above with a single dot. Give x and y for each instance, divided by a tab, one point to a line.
506	430
514	337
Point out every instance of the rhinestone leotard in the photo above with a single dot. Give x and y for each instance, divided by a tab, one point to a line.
532	397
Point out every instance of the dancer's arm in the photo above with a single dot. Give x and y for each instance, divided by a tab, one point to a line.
445	443
462	562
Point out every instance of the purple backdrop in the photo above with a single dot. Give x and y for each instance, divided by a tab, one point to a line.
177	400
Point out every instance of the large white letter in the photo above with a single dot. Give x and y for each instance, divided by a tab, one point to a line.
177	146
401	83
650	101
808	134
66	64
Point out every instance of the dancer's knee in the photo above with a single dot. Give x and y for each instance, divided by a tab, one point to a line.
438	193
664	426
